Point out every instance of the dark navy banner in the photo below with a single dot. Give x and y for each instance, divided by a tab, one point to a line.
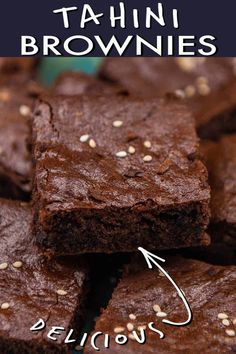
118	28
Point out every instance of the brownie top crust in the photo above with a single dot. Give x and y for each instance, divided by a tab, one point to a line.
145	295
33	287
9	65
136	151
208	85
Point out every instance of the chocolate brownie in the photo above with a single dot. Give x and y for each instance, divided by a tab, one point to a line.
17	95
114	173
146	295
77	83
208	86
220	159
33	288
9	65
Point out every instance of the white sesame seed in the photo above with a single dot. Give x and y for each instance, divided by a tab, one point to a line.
121	154
222	315
142	327
5	306
225	322
230	332
132	316
190	91
147	144
130	326
202	80
119	329
180	93
234	321
17	264
117	123
161	274
161	314
131	336
24	110
156	308
61	292
147	158
204	90
84	138
131	150
3	266
92	143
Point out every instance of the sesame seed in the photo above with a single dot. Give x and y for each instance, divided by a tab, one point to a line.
147	158
17	264
161	274
180	93
132	316
147	144
5	306
61	292
131	336
92	143
119	329
24	110
117	123
4	96
225	322
230	332
121	154
222	315
3	266
204	90
142	327
156	308
130	326
131	150
190	91
202	80
161	314
234	321
84	138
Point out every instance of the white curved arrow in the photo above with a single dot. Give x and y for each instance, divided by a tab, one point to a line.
150	259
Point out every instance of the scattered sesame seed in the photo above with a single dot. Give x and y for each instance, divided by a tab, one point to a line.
147	158
156	308
222	315
131	150
204	90
142	327
4	95
121	154
119	329
225	322
180	93
24	110
202	80
117	123
132	316
131	336
92	143
161	314
147	144
61	292
190	90
130	326
230	332
186	64
17	264
84	138
234	321
5	306
161	274
3	266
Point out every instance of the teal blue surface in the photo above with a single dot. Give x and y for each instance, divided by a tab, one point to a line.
51	67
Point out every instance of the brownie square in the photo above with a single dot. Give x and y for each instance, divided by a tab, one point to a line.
113	173
208	86
17	96
145	295
220	158
77	83
34	287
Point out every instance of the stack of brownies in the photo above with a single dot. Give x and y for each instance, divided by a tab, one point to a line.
143	155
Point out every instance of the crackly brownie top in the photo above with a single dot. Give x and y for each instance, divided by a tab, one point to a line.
208	85
10	65
17	94
115	151
150	297
78	83
32	287
220	158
